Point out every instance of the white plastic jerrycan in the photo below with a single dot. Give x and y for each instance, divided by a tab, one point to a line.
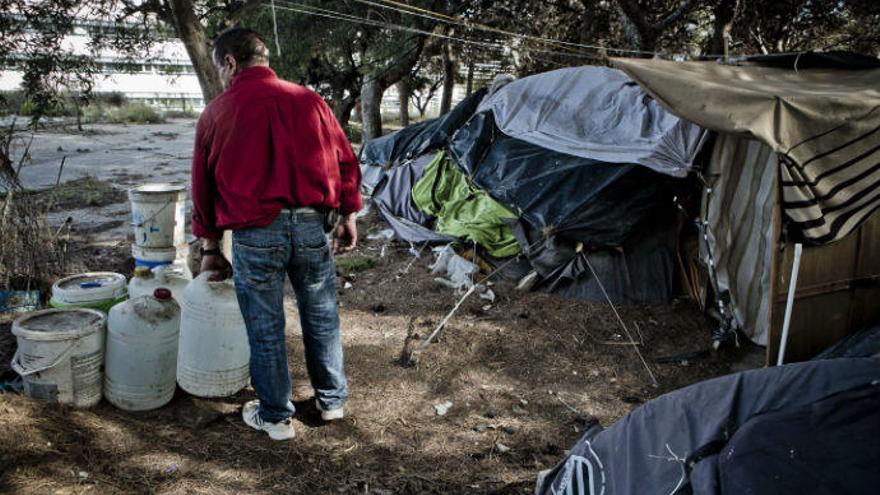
214	353
141	357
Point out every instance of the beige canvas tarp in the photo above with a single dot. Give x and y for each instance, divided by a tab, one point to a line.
824	123
738	212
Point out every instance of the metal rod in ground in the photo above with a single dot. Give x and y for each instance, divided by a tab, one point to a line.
792	286
413	357
622	324
413	260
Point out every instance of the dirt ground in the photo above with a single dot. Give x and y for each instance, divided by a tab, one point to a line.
524	374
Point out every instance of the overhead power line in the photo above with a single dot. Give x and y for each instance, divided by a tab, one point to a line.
332	14
438	16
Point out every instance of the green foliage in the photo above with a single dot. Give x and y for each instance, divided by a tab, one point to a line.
11	102
129	113
355	264
115	99
180	114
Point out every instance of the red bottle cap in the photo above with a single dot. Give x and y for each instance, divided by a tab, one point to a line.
162	294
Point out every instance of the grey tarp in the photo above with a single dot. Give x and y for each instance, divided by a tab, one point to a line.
371	175
738	211
693	439
595	113
393	197
824	122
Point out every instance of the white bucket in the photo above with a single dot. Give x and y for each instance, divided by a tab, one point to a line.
158	214
155	257
96	290
60	353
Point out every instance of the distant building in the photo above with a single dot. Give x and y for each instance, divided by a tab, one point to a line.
164	79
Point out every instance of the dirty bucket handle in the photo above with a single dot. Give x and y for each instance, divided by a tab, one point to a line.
154	215
18	368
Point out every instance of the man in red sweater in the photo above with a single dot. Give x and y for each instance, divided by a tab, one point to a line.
272	165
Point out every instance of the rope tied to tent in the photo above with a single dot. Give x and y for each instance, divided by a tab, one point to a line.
619	319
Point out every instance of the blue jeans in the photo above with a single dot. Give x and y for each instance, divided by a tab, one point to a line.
295	244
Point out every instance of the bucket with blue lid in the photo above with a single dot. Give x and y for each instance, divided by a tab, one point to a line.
95	290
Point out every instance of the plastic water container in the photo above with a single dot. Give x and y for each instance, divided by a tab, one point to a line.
59	356
213	354
158	213
146	281
141	358
96	290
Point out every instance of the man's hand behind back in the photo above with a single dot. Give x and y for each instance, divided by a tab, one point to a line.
217	264
215	261
345	234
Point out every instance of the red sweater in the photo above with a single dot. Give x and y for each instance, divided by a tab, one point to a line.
265	144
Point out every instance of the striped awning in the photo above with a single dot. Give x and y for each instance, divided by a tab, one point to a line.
824	124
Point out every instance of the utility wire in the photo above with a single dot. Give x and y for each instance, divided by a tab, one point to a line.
499	46
438	16
316	11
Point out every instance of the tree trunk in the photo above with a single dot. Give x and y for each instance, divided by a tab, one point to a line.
373	88
342	110
78	102
448	79
469	87
342	105
371	109
192	33
404	91
725	14
643	34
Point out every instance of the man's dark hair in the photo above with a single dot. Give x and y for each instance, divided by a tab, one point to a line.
246	46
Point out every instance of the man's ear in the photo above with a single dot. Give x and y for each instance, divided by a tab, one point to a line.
230	61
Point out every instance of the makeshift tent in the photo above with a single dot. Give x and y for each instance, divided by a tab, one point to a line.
595	164
796	158
564	203
800	428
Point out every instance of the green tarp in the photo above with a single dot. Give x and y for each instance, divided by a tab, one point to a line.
462	210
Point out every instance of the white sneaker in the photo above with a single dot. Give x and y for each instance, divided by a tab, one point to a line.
331	415
282	430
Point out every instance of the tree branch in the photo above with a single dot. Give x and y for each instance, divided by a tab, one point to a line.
635	15
236	10
675	16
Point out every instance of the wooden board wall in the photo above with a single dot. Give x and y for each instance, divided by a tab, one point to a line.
838	292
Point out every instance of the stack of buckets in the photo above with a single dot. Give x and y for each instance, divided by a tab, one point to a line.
149	343
158	213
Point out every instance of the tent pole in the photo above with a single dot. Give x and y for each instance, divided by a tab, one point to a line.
798	248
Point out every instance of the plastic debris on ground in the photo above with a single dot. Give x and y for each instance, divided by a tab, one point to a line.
459	272
382	235
442	408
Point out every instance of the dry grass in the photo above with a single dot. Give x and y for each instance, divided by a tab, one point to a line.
31	253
